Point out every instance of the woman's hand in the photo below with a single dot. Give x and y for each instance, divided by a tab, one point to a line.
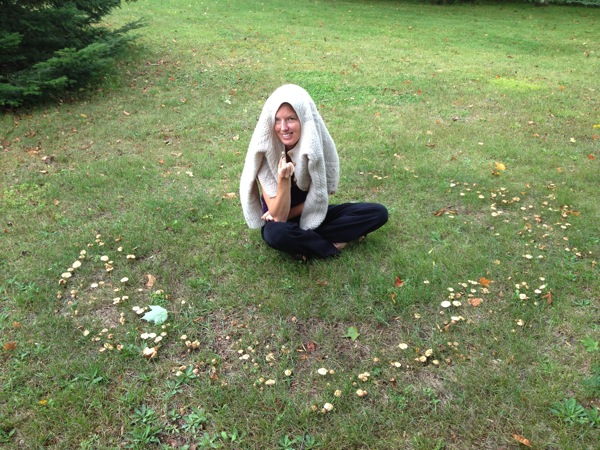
268	217
285	169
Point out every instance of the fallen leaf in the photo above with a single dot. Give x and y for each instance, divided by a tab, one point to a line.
12	345
311	347
398	282
484	282
322	283
522	440
352	333
445	210
157	314
230	195
548	297
591	157
499	166
151	280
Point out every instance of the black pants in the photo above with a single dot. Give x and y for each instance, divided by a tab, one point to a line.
343	223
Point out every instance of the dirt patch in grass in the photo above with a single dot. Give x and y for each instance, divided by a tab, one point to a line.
106	316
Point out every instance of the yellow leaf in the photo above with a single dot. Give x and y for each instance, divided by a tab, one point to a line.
151	280
499	166
484	282
522	440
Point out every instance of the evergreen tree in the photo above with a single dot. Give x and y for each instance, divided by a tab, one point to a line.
49	46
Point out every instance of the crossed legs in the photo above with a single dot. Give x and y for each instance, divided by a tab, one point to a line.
343	223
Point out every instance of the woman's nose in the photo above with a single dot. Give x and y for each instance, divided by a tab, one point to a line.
284	124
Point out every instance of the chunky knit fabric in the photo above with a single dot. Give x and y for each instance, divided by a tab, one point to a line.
315	158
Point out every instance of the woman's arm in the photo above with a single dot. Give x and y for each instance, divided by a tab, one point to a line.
295	211
279	206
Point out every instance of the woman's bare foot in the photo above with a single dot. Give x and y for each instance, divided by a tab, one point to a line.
340	245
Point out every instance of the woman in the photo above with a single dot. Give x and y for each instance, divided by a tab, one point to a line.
294	161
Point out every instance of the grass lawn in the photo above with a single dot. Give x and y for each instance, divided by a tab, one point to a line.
470	321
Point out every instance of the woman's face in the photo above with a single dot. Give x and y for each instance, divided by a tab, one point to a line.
287	126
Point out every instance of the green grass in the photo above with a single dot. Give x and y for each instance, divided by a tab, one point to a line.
422	102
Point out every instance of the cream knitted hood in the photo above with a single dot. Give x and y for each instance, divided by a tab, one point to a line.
315	158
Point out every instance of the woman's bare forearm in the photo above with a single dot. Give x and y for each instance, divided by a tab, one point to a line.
280	205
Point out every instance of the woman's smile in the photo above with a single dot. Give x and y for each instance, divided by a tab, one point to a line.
287	126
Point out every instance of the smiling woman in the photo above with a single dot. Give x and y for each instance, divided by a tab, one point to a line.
293	160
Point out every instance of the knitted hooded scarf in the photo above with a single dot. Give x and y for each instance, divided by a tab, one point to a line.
315	158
